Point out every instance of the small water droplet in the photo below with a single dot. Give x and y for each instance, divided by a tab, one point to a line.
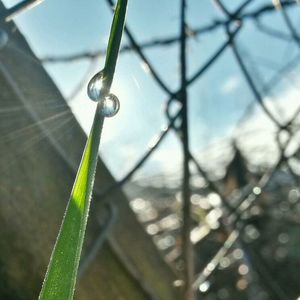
110	105
3	38
95	89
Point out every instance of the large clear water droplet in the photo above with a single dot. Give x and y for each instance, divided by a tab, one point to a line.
3	38
110	105
95	88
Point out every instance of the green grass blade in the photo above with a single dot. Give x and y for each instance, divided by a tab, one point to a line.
114	42
60	279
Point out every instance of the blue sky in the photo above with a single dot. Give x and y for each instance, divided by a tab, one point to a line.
216	101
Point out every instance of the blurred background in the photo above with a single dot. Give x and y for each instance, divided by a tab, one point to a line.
243	76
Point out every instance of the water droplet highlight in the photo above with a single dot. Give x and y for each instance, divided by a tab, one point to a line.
95	88
110	106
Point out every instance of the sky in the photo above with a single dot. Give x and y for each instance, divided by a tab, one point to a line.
216	102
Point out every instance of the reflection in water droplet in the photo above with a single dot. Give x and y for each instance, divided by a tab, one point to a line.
3	38
96	90
110	105
95	87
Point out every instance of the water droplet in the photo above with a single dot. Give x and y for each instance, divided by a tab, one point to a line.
95	87
110	105
3	38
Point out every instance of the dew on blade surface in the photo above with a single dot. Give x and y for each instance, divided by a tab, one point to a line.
110	106
95	87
